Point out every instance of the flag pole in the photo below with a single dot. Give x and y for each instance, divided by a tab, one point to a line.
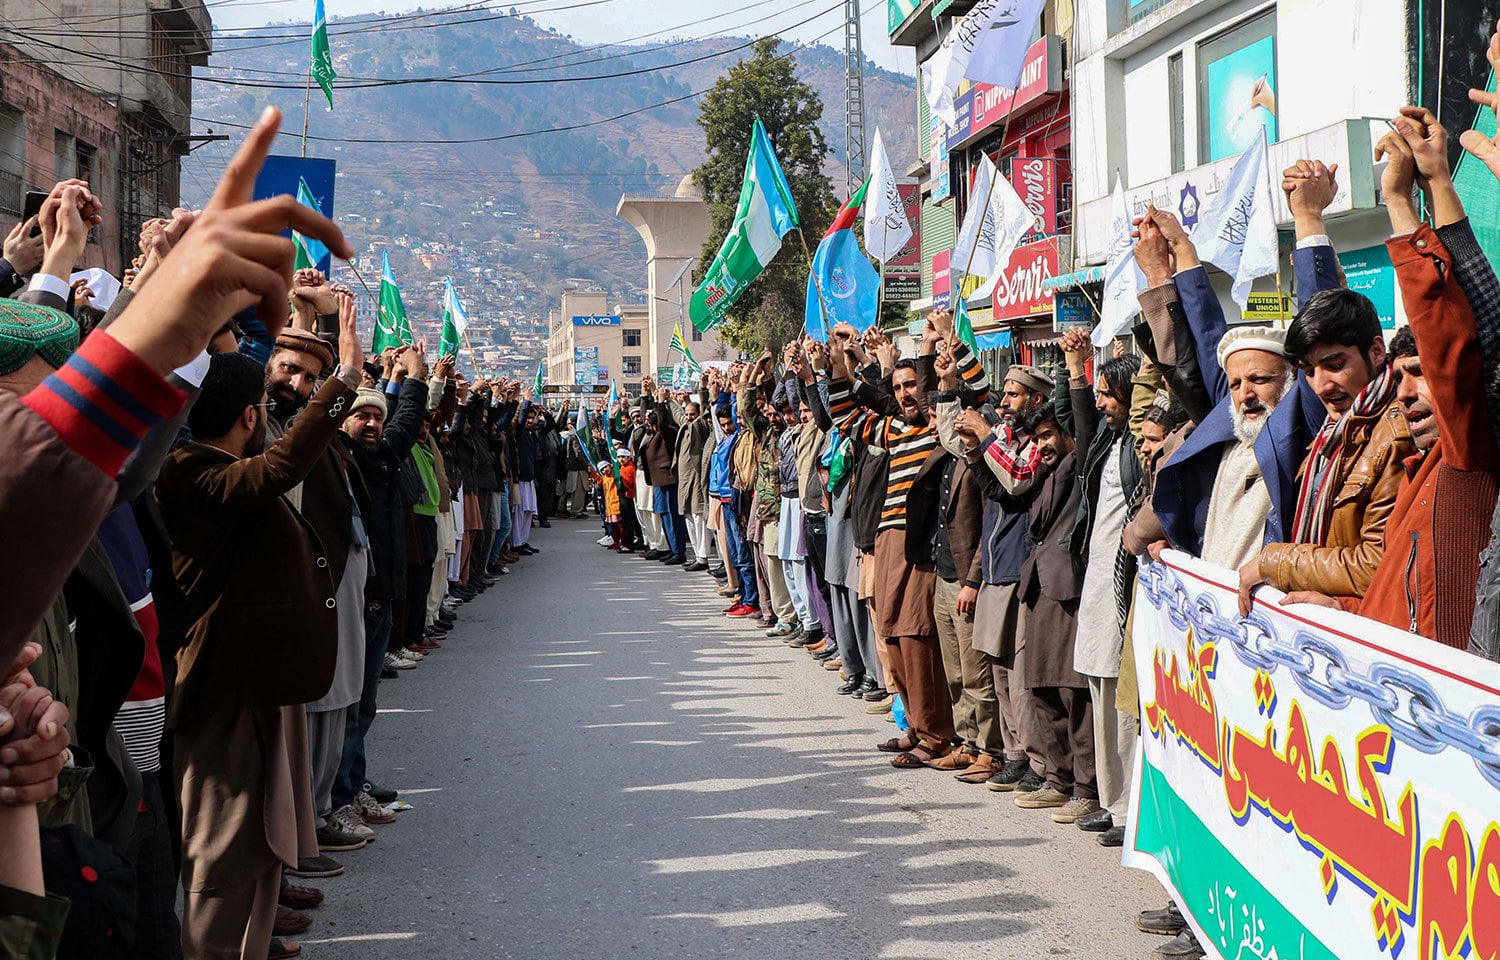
307	107
1004	131
817	284
373	298
473	357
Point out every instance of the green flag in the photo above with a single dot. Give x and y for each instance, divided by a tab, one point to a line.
539	382
963	325
766	212
310	251
321	65
455	322
391	326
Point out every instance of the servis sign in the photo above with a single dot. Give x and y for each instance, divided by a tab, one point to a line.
1019	292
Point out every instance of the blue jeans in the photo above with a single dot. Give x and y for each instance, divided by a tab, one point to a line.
741	556
351	777
502	524
664	505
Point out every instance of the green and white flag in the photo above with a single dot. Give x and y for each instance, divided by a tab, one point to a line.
766	213
539	382
391	326
321	64
310	251
455	322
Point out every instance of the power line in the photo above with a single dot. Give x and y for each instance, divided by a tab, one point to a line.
532	133
409	81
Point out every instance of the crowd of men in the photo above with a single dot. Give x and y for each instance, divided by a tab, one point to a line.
970	553
209	481
245	527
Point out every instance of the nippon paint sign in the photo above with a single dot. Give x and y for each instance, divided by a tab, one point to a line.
1019	292
613	320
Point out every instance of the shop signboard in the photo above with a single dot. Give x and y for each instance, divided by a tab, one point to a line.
1042	74
1019	292
1035	182
1369	272
937	158
903	273
1268	307
941	287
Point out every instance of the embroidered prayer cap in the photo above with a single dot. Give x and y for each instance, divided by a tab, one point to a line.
28	330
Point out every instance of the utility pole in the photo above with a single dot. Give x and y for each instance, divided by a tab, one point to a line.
854	100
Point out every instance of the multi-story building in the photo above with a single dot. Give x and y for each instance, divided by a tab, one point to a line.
589	345
103	89
1169	92
1026	133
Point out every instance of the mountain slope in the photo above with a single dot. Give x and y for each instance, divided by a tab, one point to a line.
509	219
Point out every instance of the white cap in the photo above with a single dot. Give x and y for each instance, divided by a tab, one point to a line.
1251	338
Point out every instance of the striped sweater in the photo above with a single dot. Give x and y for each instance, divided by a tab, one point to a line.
908	444
103	400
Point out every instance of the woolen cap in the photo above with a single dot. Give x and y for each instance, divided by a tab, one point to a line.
1251	338
368	397
28	330
1030	377
305	341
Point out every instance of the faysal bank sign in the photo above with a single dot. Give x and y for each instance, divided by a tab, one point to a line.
609	321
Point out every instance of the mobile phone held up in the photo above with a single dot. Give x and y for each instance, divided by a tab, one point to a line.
32	207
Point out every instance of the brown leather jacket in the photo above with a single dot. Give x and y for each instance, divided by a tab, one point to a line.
1368	476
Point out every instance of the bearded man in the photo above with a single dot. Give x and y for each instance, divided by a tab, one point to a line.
1231	487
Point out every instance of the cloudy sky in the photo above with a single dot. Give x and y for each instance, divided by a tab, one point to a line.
617	19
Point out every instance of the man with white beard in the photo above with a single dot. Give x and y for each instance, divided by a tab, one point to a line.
1258	375
1231	487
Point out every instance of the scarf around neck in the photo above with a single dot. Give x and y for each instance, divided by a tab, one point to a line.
1315	498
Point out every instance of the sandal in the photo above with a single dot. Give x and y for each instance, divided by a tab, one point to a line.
896	745
915	758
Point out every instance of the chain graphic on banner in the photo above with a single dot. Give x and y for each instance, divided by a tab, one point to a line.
1397	698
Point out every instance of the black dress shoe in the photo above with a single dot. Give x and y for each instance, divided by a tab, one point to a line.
676	560
852	685
868	687
823	656
1095	822
1113	837
386	673
545	523
877	694
655	554
697	566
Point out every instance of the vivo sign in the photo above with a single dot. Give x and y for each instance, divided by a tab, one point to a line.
609	321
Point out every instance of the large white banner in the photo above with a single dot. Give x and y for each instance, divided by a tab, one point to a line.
1310	783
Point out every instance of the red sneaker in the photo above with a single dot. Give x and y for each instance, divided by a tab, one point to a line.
744	611
729	610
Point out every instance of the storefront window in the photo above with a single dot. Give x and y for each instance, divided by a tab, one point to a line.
1237	89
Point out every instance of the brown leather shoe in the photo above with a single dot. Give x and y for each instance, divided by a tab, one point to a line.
818	647
289	921
953	760
300	898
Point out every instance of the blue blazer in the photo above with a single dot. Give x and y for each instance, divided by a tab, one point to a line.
1185	483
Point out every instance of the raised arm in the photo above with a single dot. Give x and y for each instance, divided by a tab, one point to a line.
1310	186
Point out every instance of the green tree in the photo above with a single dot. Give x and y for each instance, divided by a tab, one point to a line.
765	85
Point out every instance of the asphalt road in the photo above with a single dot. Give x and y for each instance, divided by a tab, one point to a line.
602	766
